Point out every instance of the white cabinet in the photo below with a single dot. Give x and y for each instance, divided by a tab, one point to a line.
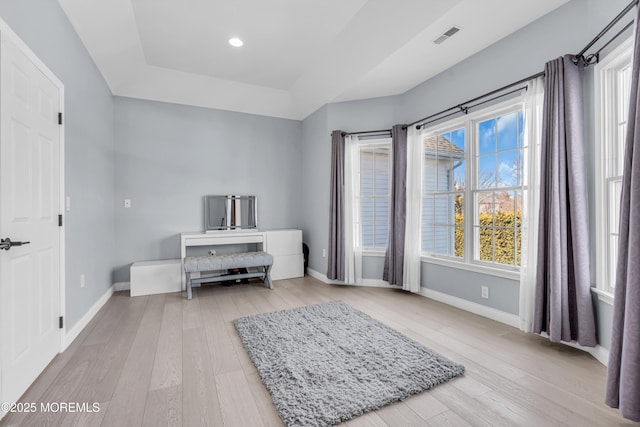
286	248
155	277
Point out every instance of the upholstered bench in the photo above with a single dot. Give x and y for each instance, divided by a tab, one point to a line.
214	268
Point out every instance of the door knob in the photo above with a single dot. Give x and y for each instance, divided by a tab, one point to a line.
6	244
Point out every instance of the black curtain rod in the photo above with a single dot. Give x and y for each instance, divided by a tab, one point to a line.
367	132
605	30
464	107
594	58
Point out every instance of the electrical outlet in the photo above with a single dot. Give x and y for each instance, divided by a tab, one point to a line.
82	280
324	253
485	292
127	203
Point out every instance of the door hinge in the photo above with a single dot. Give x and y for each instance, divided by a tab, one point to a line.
60	220
61	322
59	118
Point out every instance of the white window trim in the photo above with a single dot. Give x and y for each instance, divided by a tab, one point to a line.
364	142
468	262
603	132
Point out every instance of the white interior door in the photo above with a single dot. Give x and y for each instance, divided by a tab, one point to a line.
29	208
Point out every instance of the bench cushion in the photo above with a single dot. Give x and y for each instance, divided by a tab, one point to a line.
194	264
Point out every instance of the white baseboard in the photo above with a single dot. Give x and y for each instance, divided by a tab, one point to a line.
121	286
473	307
598	352
73	333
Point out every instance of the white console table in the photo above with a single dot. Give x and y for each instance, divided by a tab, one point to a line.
284	245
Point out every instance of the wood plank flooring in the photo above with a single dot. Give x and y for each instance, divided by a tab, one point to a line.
161	360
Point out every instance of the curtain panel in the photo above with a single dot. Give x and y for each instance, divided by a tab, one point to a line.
335	254
413	232
623	372
394	256
563	306
530	201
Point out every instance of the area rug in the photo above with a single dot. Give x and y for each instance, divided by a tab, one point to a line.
327	363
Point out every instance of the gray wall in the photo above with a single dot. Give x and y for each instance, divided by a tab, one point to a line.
524	53
89	138
169	156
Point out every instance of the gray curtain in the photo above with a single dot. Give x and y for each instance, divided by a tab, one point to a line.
394	257
623	373
335	262
563	306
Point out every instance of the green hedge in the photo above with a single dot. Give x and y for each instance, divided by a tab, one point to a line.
506	251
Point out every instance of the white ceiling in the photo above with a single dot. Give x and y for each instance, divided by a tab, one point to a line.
298	54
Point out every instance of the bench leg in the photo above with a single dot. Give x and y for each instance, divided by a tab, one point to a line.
189	295
267	277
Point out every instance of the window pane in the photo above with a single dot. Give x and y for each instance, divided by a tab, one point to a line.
429	175
443	209
381	211
381	235
459	241
442	240
459	176
485	243
428	216
508	131
487	171
508	169
367	186
366	210
504	246
486	137
485	208
427	238
457	138
367	235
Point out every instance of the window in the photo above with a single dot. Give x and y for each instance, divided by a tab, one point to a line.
498	189
375	189
443	193
472	188
613	86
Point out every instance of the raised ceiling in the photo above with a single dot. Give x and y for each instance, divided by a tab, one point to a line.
298	54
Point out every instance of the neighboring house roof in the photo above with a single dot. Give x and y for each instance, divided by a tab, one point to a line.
443	146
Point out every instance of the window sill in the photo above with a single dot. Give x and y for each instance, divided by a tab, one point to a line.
604	296
373	253
506	274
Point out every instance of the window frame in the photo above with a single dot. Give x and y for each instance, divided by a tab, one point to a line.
470	124
607	101
365	143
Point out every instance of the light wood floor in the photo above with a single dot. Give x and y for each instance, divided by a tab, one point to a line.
162	360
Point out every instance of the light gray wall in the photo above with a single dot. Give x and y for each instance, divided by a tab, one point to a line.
89	156
169	156
565	30
316	160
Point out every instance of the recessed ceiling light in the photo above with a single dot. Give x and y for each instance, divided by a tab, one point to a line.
235	42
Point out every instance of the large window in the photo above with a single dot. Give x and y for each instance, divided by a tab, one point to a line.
374	197
613	78
472	188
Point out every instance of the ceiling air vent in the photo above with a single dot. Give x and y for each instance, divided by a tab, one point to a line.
450	32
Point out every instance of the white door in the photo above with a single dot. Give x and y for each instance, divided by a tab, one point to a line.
29	208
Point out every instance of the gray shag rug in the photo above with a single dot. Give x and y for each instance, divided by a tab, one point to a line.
327	363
